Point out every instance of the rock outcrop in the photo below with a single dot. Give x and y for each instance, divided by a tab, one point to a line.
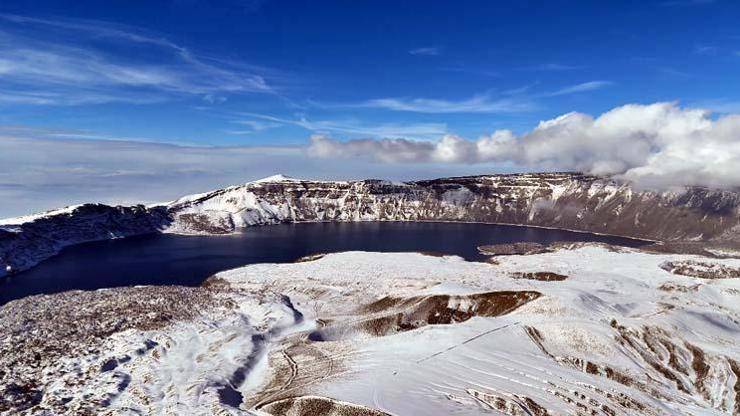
26	244
560	200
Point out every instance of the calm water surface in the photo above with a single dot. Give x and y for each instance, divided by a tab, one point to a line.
160	259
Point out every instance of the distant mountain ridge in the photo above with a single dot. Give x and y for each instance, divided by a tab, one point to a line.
559	200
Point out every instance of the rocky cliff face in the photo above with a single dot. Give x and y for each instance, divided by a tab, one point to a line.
25	244
561	200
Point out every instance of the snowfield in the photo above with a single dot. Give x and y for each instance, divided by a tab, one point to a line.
391	333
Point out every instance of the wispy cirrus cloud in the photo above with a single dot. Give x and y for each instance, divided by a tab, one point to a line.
35	68
426	51
477	104
253	126
703	49
517	100
50	168
552	66
418	131
257	125
578	88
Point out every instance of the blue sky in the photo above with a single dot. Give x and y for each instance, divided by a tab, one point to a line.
271	74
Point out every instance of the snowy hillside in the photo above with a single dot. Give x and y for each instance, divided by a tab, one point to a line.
617	333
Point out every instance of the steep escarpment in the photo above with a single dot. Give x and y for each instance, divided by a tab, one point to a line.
560	200
25	244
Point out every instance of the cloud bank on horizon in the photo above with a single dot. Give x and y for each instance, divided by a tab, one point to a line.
657	146
101	103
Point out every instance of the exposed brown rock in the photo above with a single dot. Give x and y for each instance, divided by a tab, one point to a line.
313	406
701	269
389	315
542	276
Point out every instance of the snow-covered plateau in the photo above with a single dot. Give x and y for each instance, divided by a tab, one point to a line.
584	329
559	200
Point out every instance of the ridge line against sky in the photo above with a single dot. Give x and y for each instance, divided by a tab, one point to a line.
420	89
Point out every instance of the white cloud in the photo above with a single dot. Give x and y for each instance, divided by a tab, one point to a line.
551	66
356	128
475	104
657	145
38	69
583	87
427	51
258	125
510	101
45	168
703	49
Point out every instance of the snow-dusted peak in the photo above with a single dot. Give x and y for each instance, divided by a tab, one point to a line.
277	178
33	217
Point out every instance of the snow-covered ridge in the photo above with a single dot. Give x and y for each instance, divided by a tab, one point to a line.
277	178
33	217
559	200
555	200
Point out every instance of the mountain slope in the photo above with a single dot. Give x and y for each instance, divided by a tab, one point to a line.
559	200
390	333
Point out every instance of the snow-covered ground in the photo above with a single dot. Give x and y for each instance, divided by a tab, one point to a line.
411	334
619	336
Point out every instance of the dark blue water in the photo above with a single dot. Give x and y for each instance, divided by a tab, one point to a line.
160	259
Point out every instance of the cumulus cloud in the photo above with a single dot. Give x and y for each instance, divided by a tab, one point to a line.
42	169
657	145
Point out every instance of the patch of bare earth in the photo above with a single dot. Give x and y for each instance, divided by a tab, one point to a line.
295	365
509	404
301	360
390	315
310	257
541	276
735	367
617	399
315	405
667	360
701	269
